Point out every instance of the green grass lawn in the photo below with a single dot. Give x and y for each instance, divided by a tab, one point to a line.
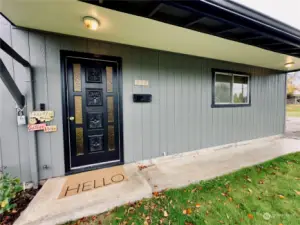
264	194
293	110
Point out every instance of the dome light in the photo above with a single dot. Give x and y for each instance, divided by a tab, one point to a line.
289	65
91	23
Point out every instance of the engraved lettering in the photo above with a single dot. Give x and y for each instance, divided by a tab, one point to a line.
95	184
117	178
84	186
104	184
72	189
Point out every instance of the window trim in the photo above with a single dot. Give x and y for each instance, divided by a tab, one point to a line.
232	73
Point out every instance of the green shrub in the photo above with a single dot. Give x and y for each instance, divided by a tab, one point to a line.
9	187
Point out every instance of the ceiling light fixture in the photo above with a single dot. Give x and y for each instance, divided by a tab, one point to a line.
289	65
91	23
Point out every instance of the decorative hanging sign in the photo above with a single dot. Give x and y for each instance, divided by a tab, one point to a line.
40	116
35	127
52	128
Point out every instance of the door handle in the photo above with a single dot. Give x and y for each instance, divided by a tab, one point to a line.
71	118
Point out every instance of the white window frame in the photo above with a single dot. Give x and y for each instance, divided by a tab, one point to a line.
232	74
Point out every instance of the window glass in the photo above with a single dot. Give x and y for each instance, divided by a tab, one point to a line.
240	89
231	89
223	88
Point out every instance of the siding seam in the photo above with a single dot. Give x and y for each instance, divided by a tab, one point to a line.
17	128
47	99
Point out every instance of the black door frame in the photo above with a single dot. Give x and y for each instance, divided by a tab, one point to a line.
64	87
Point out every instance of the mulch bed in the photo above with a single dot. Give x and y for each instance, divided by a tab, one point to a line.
22	200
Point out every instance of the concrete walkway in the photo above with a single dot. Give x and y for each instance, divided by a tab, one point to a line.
166	172
293	127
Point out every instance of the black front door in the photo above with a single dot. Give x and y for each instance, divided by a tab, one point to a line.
93	112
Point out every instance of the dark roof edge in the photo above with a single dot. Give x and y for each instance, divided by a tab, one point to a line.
255	16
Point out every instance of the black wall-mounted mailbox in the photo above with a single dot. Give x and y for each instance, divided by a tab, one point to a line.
142	97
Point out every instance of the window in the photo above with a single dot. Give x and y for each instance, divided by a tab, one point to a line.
230	89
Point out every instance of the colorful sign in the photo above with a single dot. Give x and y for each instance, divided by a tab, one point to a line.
40	116
34	127
52	128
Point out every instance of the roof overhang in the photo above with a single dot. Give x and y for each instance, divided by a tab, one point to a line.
225	38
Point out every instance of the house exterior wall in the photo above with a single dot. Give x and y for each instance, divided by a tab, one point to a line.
179	119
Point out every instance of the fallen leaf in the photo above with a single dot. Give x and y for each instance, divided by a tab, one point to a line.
184	212
141	167
155	193
280	224
261	182
250	190
281	196
145	222
188	223
297	192
250	216
166	214
130	209
198	205
230	199
189	211
248	179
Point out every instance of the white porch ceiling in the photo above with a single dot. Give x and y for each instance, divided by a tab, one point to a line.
65	17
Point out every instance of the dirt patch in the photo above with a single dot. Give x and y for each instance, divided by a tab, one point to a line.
22	200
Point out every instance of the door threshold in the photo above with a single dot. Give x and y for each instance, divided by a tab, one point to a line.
86	168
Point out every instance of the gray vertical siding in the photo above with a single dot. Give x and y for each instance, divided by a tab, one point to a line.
179	118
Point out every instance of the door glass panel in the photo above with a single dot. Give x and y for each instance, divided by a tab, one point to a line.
110	108
78	109
109	78
111	138
79	141
77	77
